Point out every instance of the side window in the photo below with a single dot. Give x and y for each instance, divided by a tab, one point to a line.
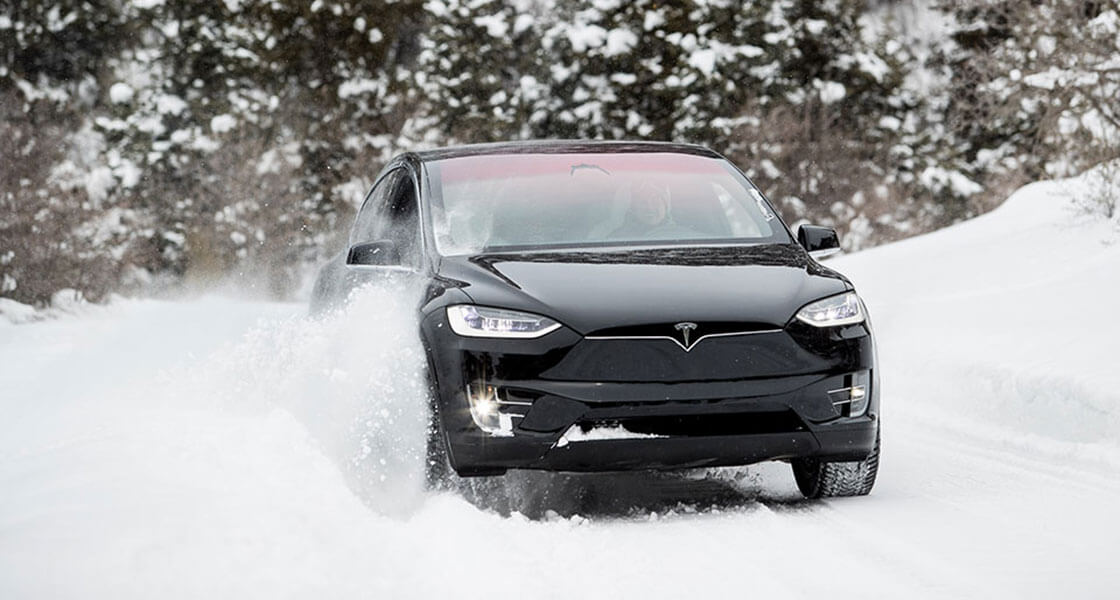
366	225
400	217
391	212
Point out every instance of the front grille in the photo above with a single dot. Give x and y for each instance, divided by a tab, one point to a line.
759	354
785	421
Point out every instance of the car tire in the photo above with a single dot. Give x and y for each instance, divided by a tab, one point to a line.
485	492
820	479
483	489
438	473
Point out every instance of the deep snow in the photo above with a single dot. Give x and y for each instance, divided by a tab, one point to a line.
234	449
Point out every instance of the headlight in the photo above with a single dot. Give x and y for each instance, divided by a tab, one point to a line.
844	309
480	321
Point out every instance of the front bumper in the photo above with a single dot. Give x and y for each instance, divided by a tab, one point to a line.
760	415
667	434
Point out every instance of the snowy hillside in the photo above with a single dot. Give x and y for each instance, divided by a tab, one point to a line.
1009	318
217	448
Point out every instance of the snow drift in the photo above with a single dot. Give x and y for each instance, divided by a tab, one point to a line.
1006	323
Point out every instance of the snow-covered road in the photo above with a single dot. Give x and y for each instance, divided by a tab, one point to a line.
217	448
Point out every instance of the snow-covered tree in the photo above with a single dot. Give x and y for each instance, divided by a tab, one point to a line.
646	69
495	69
53	232
809	95
1036	84
195	138
833	133
255	125
51	236
47	45
481	69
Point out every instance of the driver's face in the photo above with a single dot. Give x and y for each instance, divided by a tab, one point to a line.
649	205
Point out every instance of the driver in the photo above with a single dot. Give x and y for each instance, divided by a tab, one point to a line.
648	212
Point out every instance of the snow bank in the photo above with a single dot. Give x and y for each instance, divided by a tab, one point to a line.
1005	323
15	313
64	303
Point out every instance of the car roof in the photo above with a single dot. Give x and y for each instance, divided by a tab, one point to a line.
563	147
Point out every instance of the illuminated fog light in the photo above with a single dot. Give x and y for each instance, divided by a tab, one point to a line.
859	393
858	400
483	400
852	401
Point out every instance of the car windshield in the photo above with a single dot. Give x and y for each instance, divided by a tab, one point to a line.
502	202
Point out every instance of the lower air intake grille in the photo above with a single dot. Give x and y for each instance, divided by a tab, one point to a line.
705	425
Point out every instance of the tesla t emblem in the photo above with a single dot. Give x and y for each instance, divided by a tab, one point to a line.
686	330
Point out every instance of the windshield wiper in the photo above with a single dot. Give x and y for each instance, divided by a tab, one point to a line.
587	166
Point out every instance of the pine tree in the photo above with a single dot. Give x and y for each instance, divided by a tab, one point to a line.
53	235
1035	84
482	70
829	128
645	69
257	125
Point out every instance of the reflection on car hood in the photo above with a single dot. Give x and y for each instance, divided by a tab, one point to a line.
594	291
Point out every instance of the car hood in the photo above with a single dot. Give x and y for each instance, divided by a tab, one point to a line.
595	291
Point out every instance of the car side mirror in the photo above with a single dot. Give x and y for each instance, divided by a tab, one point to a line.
382	253
820	242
